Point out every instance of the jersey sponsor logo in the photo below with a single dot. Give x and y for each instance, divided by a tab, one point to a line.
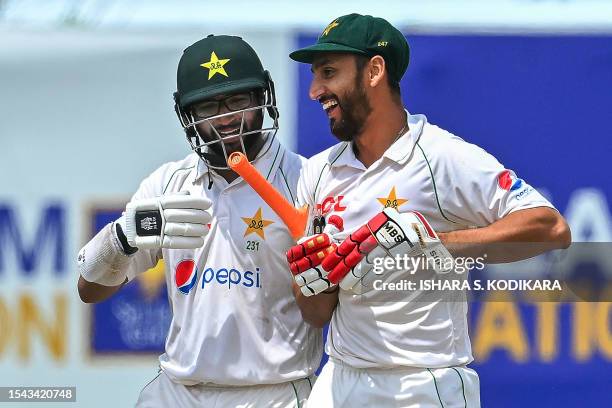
256	224
215	65
523	193
331	203
186	275
391	200
508	181
231	276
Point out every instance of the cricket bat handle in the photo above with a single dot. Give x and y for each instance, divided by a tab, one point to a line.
294	218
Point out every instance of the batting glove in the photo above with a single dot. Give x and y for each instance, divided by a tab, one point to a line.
177	221
305	258
389	233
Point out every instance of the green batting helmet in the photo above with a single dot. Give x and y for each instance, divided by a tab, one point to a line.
217	65
222	65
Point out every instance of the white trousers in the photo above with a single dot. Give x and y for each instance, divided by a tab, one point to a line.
163	392
340	385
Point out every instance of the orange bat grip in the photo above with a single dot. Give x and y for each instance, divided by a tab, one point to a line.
294	218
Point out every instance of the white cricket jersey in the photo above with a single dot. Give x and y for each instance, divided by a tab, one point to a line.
455	185
234	318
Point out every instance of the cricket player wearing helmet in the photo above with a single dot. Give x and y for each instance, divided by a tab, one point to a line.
237	336
408	188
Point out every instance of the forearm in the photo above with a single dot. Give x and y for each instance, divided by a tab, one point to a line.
316	310
519	235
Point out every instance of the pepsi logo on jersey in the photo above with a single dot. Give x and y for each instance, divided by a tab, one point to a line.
231	276
186	275
508	181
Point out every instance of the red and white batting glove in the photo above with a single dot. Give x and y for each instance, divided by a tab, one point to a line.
305	258
389	233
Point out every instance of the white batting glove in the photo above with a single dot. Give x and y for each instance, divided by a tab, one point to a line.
177	221
387	234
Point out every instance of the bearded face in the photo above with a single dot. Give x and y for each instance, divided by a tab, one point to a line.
353	110
338	85
226	123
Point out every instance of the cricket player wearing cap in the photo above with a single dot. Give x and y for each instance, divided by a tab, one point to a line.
405	186
237	337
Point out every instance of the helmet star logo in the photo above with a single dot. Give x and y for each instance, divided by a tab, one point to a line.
391	200
256	224
330	27
215	65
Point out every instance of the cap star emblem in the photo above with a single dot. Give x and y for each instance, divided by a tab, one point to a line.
256	224
215	65
330	27
391	200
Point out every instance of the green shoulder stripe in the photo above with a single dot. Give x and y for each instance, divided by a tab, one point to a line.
273	162
287	184
433	181
173	174
323	170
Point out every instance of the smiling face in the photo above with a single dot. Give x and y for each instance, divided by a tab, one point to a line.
224	120
338	84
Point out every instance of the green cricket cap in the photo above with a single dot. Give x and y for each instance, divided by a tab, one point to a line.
215	65
365	35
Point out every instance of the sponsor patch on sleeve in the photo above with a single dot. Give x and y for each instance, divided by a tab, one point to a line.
508	181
